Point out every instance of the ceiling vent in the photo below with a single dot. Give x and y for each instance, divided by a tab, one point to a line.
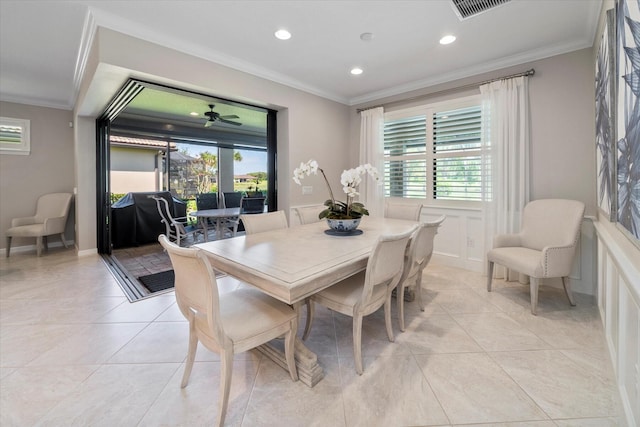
468	8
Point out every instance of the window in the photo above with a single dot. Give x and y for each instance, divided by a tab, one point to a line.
433	152
14	136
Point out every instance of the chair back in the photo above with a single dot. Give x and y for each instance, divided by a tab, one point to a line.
386	263
165	217
421	248
53	205
258	223
309	214
196	287
551	222
206	201
231	199
406	211
252	205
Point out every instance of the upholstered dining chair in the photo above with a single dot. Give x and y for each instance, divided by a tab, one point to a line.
416	260
309	214
226	323
406	211
365	292
544	247
176	229
258	223
50	218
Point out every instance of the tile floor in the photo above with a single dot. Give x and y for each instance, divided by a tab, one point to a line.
75	352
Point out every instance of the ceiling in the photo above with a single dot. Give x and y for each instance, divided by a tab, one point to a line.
41	52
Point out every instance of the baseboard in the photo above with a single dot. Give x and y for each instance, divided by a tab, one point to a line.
32	248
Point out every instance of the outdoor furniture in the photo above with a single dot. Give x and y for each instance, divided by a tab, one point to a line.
225	220
231	199
176	229
50	218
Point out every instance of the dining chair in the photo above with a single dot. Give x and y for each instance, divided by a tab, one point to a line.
544	247
206	201
309	214
252	205
177	229
416	260
258	223
231	199
406	211
50	218
226	323
365	292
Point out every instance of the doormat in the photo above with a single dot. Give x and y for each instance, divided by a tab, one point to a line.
159	281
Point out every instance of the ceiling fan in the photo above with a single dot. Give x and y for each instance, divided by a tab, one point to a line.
215	117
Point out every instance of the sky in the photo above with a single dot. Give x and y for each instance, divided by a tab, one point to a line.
252	161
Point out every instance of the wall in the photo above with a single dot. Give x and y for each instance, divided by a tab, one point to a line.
561	98
308	126
48	169
133	170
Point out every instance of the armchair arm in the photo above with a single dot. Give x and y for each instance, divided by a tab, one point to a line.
506	240
557	260
25	220
54	225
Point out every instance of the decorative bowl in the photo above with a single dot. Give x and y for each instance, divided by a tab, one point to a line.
343	225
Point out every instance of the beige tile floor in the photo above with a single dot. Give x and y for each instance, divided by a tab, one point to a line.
75	352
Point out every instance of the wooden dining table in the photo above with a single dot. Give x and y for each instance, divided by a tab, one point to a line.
294	263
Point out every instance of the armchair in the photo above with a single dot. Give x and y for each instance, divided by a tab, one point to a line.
545	246
50	218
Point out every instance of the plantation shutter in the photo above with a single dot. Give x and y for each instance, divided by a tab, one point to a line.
456	154
405	170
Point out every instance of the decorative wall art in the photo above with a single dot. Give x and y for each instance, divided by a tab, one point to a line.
605	118
628	117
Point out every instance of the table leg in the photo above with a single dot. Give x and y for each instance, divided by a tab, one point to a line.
309	371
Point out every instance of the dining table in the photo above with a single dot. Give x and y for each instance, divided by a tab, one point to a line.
294	263
219	216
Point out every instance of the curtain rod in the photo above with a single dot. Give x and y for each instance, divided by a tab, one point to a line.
527	73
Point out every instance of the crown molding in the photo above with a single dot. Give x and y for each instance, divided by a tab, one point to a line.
89	30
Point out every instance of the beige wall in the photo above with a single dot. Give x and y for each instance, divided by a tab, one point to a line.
48	169
562	94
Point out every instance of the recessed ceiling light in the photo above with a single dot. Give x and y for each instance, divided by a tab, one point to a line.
193	113
447	39
366	37
356	71
283	34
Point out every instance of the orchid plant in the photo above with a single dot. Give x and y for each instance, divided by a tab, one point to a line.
350	179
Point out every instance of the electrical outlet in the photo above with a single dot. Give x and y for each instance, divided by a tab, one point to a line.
307	189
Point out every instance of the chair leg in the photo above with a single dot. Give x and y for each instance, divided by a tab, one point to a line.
39	245
489	275
357	343
535	284
191	355
289	349
400	299
64	242
387	317
567	290
8	245
226	368
419	291
309	322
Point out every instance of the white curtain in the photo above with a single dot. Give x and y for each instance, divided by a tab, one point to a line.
505	158
371	138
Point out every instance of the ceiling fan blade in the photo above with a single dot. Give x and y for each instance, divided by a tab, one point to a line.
229	122
232	116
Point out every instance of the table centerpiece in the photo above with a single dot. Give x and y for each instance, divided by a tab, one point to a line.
341	216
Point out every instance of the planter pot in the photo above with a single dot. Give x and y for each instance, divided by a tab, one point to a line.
343	225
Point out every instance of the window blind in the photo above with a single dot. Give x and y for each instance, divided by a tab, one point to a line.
405	161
